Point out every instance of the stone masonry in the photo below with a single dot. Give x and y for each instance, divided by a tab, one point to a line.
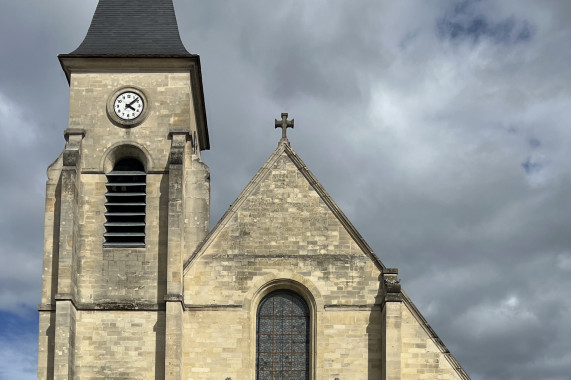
183	304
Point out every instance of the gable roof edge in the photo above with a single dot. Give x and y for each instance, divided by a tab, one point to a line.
434	337
284	146
318	187
234	206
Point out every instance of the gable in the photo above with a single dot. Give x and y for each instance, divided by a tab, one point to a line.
285	228
284	220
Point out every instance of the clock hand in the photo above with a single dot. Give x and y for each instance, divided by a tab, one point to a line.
130	105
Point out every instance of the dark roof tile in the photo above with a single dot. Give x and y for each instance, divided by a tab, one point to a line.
133	27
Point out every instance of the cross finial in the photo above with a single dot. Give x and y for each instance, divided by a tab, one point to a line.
284	124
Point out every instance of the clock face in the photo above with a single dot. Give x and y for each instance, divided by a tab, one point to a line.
128	105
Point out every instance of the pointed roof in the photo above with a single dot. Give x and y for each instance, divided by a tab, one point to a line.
146	32
133	28
285	148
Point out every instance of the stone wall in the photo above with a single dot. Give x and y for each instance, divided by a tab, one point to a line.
220	343
216	344
170	107
102	313
117	313
114	275
282	234
113	345
283	224
421	357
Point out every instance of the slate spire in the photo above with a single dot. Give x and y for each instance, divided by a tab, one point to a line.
133	28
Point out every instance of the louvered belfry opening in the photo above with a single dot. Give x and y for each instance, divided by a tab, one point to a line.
125	205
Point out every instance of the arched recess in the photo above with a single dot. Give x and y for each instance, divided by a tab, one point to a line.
286	279
120	151
285	284
125	168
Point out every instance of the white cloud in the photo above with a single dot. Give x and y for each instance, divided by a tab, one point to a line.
15	132
499	318
564	261
18	357
21	195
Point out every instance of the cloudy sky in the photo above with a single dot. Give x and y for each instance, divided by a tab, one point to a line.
441	128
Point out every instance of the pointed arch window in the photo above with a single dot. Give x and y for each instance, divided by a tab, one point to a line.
125	205
282	337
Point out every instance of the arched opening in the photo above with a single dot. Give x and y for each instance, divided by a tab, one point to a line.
283	337
125	204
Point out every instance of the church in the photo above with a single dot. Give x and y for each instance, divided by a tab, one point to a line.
136	285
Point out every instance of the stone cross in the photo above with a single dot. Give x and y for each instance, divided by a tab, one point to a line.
284	124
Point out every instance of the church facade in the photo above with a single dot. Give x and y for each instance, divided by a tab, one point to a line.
136	286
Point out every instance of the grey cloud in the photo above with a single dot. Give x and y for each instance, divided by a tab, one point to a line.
464	23
420	141
306	51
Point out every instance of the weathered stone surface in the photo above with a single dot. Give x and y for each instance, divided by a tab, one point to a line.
185	305
104	311
120	345
283	233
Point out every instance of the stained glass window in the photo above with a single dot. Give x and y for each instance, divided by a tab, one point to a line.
282	337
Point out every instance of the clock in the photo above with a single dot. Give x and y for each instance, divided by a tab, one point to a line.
127	107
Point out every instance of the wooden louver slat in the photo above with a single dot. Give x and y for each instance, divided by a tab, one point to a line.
125	206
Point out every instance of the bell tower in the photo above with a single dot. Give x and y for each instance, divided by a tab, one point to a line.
125	198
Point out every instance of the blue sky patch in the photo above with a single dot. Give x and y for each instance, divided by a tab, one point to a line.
13	324
465	23
18	345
